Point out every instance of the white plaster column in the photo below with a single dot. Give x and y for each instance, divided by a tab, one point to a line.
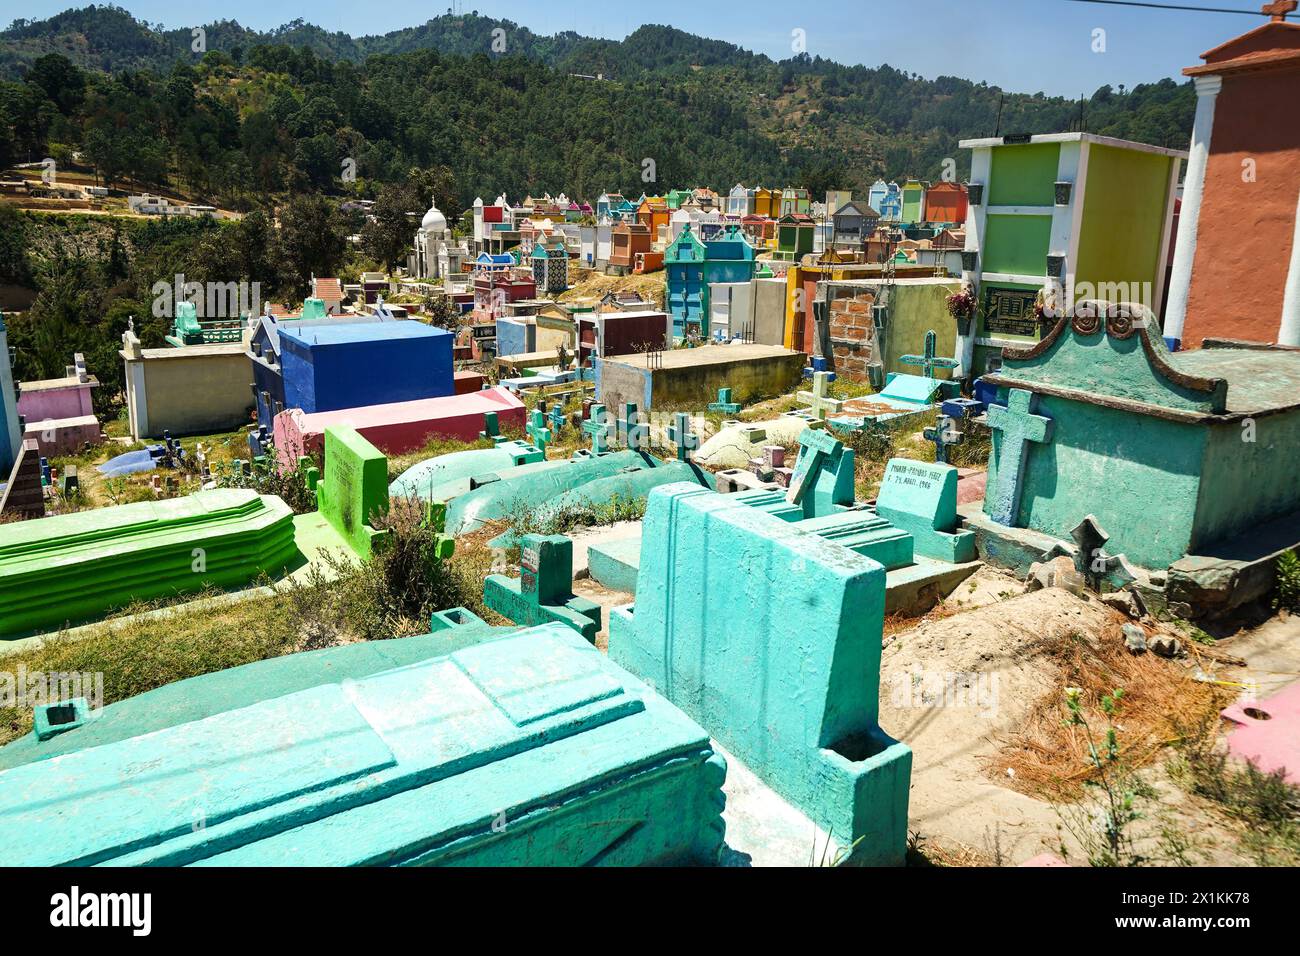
1288	331
981	164
1180	282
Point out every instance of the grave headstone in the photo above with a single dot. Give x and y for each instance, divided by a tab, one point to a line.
543	592
944	434
631	430
822	479
928	362
354	489
491	428
794	698
921	499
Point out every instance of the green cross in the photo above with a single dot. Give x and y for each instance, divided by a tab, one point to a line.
817	449
630	430
599	428
929	362
537	430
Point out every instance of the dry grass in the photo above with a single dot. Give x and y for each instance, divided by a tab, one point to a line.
1050	757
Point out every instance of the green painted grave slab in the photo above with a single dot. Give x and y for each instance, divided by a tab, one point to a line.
769	636
528	749
921	499
420	479
73	567
526	487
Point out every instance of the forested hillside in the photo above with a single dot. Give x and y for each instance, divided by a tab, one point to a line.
263	114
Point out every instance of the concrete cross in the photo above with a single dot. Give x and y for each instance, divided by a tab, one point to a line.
599	428
819	399
928	362
680	434
724	403
631	430
557	417
817	449
538	432
1018	427
944	434
491	428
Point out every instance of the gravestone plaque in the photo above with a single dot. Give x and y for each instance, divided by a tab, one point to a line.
1010	312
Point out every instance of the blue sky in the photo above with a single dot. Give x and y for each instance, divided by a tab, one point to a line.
1021	45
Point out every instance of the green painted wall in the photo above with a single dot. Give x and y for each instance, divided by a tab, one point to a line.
1123	219
1137	474
1024	175
1016	244
1243	482
915	310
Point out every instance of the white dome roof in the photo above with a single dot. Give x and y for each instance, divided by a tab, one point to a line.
433	220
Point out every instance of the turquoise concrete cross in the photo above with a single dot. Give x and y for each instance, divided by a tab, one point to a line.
817	449
631	430
819	399
599	428
724	403
929	362
557	418
537	430
680	433
1018	426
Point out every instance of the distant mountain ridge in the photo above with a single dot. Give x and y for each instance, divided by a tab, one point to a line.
500	105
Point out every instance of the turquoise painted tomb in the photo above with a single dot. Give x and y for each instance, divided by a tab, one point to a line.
769	635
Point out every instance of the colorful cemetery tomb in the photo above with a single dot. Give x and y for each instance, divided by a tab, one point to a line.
527	748
329	367
796	235
724	403
399	427
691	265
1068	216
692	377
620	333
23	495
1176	454
795	699
59	412
72	567
1233	225
904	399
913	201
264	352
194	389
420	479
736	443
549	487
543	593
